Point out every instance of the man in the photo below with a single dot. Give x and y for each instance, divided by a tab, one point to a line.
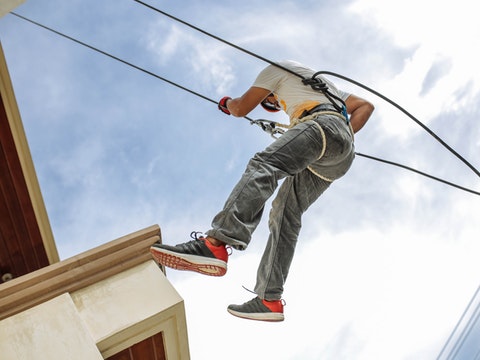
315	151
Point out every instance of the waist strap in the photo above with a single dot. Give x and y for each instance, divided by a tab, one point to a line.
320	108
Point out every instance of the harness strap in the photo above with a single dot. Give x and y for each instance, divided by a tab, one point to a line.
274	128
319	85
319	108
325	109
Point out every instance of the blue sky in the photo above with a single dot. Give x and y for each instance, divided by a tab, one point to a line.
387	259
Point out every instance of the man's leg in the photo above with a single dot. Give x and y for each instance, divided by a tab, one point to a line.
287	156
294	197
234	225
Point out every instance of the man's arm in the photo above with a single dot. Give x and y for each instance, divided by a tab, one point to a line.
359	110
242	105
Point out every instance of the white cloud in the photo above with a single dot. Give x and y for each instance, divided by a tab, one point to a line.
198	55
446	33
164	40
364	294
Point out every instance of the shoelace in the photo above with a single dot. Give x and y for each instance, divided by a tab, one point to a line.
195	236
284	303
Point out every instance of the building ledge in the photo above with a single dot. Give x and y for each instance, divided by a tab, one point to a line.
76	272
114	293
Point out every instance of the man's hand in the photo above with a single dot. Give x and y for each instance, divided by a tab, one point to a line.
270	104
242	105
359	110
222	104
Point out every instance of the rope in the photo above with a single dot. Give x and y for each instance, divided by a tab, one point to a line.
218	38
266	125
418	172
313	77
263	122
428	130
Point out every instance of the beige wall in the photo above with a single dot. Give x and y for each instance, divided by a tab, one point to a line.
100	320
41	332
93	305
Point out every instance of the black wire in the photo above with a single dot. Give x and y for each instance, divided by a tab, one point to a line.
113	57
257	122
319	72
218	38
352	81
268	61
122	61
435	136
418	172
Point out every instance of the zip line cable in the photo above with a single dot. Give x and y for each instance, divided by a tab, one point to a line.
264	124
260	122
313	77
428	130
418	172
112	56
217	38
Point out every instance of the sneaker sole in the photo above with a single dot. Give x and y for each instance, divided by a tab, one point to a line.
200	264
273	317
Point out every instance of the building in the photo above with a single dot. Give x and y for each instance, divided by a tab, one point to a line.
90	306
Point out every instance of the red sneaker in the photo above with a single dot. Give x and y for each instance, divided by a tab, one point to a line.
258	309
198	255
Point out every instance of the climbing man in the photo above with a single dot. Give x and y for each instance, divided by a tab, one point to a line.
317	149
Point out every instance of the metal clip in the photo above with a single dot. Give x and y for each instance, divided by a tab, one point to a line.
269	127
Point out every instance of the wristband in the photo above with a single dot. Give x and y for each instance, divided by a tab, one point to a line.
222	105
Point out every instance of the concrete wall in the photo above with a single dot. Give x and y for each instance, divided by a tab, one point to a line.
93	306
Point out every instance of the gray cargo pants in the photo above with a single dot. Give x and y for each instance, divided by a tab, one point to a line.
309	157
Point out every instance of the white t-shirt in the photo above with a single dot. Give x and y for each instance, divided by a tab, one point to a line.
293	96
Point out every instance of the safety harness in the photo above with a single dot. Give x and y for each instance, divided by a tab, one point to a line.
316	84
320	85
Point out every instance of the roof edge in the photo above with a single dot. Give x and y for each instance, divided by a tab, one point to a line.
26	162
76	272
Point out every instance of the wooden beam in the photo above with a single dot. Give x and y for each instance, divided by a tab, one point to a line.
76	272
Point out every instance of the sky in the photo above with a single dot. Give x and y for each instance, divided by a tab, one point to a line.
387	260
